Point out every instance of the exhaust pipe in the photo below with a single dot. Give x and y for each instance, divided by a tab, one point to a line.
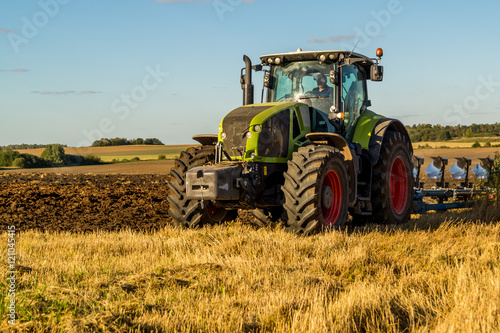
246	79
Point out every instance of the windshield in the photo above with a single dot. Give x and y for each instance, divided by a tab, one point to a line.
307	82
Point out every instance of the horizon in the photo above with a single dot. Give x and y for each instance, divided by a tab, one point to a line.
183	144
169	69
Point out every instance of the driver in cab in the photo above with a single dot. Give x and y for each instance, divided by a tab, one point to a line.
322	90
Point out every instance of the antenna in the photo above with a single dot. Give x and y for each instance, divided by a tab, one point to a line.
350	54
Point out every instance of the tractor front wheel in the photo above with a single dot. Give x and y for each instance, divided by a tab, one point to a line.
316	190
191	213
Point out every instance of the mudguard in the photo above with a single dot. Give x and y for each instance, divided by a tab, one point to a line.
378	134
206	139
370	131
341	144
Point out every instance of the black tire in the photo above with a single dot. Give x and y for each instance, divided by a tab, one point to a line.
267	216
392	188
316	190
190	213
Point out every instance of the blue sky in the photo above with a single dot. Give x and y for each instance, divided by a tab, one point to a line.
74	71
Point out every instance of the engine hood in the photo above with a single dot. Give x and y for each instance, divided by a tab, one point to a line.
237	123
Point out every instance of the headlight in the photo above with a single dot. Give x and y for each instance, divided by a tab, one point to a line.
257	128
248	135
223	136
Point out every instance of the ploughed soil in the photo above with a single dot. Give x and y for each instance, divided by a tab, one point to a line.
86	202
83	202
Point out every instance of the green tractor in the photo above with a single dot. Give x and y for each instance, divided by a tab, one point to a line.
310	156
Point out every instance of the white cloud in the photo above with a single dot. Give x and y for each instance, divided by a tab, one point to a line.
199	1
17	70
68	92
173	1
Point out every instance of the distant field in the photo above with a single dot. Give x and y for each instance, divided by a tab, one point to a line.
451	153
107	154
131	168
461	143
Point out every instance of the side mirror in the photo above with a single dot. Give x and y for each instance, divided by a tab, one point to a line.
376	73
257	68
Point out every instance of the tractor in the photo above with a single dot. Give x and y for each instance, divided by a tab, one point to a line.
309	156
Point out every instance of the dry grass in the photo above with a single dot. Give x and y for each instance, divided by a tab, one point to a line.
424	276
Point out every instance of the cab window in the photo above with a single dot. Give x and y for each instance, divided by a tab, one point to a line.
353	94
307	82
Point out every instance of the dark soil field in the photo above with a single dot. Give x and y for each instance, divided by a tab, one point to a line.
83	202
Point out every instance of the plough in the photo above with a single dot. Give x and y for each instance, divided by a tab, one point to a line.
462	195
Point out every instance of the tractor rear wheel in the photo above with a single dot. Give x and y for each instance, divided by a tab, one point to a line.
392	187
190	213
316	190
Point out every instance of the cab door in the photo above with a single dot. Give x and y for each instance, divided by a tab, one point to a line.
353	96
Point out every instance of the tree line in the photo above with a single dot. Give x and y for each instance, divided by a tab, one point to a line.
52	155
124	142
428	132
26	146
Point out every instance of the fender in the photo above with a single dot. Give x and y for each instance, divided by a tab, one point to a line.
206	139
370	131
341	144
378	134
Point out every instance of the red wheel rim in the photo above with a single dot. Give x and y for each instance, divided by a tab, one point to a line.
398	185
331	198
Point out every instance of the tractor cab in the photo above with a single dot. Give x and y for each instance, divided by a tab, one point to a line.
331	83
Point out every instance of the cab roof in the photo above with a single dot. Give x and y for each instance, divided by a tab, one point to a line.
329	56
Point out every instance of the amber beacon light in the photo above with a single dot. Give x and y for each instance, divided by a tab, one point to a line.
379	53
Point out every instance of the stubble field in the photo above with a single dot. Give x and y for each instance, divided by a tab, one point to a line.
96	253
